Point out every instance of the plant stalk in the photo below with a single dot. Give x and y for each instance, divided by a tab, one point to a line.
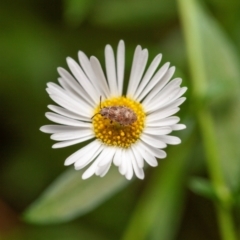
191	15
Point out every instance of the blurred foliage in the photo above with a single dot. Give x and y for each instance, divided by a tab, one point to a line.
202	187
35	38
215	86
70	197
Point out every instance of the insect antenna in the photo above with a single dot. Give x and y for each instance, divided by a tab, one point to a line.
95	115
100	108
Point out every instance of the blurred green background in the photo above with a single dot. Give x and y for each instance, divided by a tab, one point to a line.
177	199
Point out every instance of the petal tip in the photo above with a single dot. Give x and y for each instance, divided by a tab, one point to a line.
84	177
67	163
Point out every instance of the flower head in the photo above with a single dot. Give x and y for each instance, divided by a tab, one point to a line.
123	129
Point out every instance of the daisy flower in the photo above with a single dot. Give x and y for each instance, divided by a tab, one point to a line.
126	129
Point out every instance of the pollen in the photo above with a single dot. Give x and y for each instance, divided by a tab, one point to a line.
113	133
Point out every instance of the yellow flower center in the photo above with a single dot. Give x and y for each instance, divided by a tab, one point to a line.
114	133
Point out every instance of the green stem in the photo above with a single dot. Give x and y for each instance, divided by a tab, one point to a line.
226	224
191	16
213	161
223	208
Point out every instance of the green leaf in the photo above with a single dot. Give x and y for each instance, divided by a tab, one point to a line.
203	187
69	197
216	83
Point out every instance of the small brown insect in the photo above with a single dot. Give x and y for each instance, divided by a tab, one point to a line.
120	114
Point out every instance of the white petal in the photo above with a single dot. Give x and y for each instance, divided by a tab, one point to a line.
87	67
170	139
65	96
148	75
106	170
138	171
165	99
129	172
162	114
161	122
111	70
57	128
164	80
76	95
67	77
177	102
120	65
67	87
84	115
91	170
136	56
153	140
69	135
137	72
148	157
108	158
96	66
83	80
123	165
170	105
117	157
181	92
157	130
64	120
71	142
102	171
138	156
165	95
155	80
154	151
91	147
88	157
57	90
64	112
54	87
177	127
72	106
168	99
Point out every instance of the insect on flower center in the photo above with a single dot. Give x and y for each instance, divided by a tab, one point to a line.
118	121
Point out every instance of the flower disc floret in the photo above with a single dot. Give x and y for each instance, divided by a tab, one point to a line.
113	133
